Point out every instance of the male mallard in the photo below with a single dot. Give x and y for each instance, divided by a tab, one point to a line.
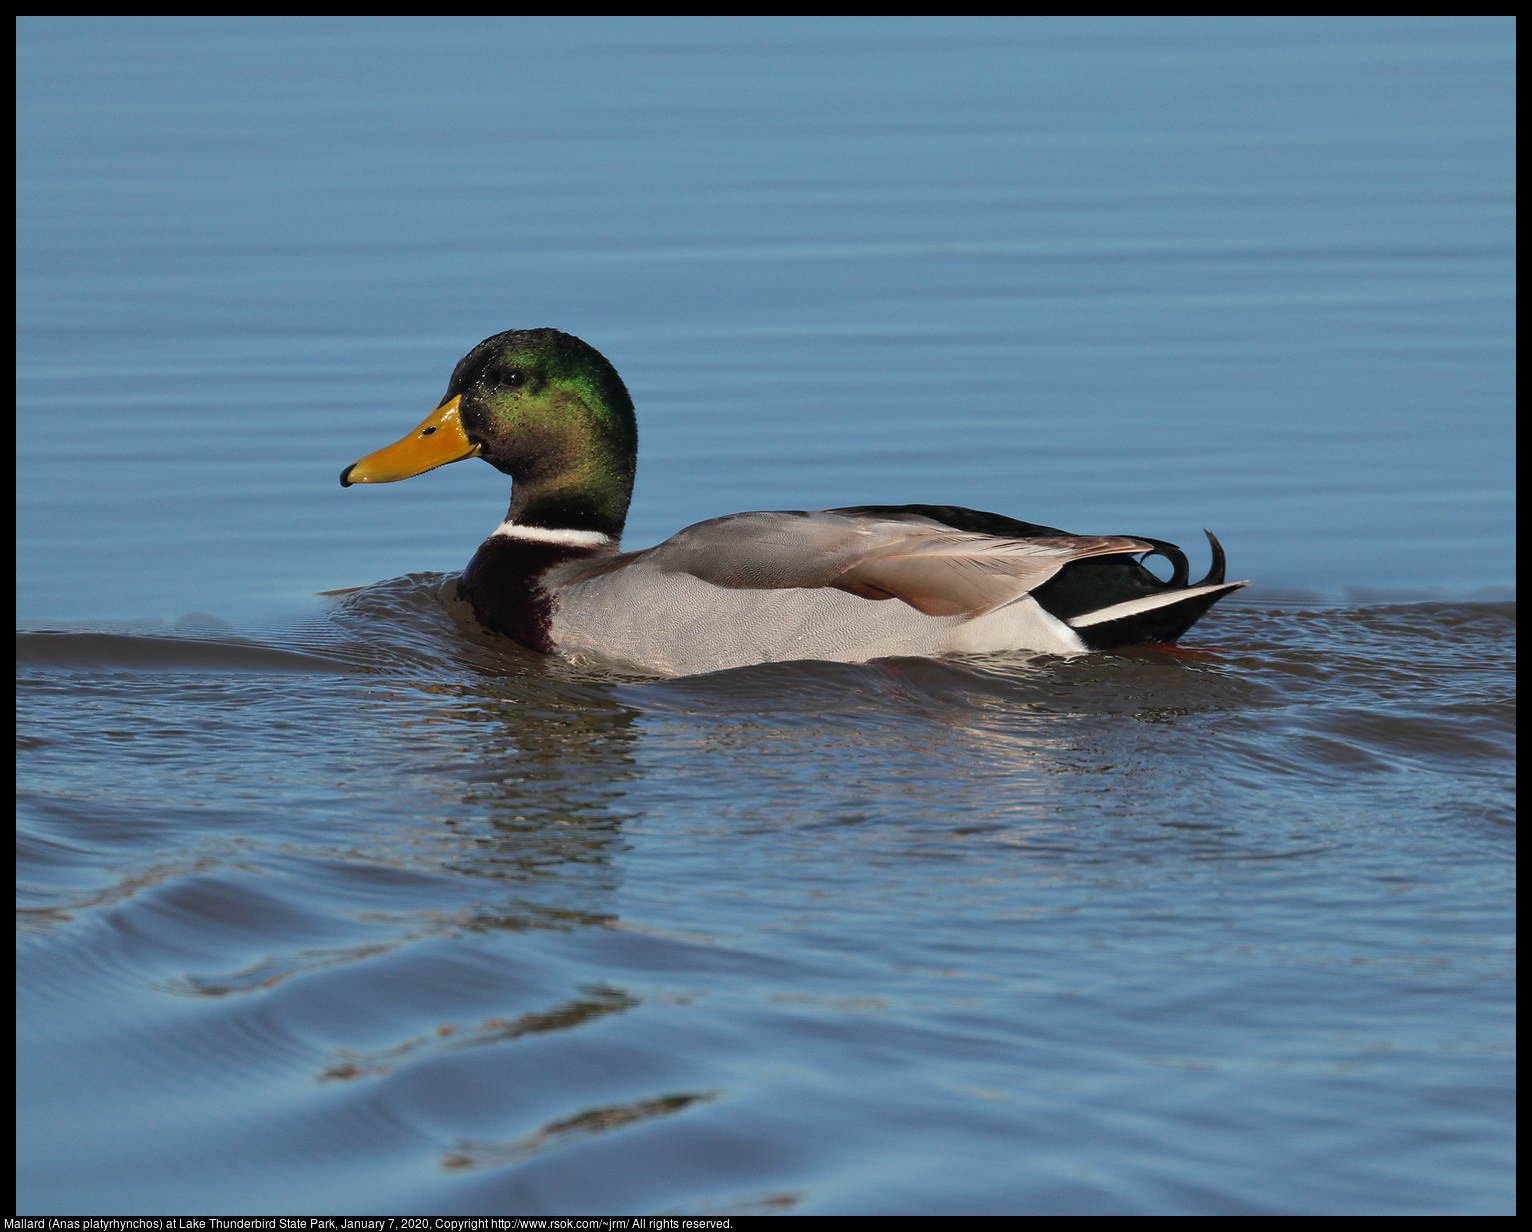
552	413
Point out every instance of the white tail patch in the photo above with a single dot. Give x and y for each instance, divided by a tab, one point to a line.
1149	603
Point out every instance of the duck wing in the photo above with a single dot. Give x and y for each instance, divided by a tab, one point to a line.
928	564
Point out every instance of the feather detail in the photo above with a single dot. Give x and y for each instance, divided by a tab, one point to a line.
938	571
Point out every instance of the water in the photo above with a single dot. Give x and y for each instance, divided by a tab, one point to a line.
332	905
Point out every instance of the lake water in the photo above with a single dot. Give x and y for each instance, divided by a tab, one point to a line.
329	904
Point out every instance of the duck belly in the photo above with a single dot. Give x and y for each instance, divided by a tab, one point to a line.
677	624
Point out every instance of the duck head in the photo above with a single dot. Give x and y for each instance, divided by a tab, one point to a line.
546	409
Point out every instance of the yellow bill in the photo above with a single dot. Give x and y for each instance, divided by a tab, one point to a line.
438	441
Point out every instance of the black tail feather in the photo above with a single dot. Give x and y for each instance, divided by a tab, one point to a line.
1090	585
1175	556
1215	573
1159	626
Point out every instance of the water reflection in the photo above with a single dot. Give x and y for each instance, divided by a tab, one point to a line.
594	1002
569	1130
543	780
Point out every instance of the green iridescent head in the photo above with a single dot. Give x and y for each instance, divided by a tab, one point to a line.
545	408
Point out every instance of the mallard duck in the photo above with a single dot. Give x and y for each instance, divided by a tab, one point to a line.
842	584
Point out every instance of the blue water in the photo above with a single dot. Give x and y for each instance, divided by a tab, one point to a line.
330	906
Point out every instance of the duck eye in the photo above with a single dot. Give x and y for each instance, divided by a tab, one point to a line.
510	379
